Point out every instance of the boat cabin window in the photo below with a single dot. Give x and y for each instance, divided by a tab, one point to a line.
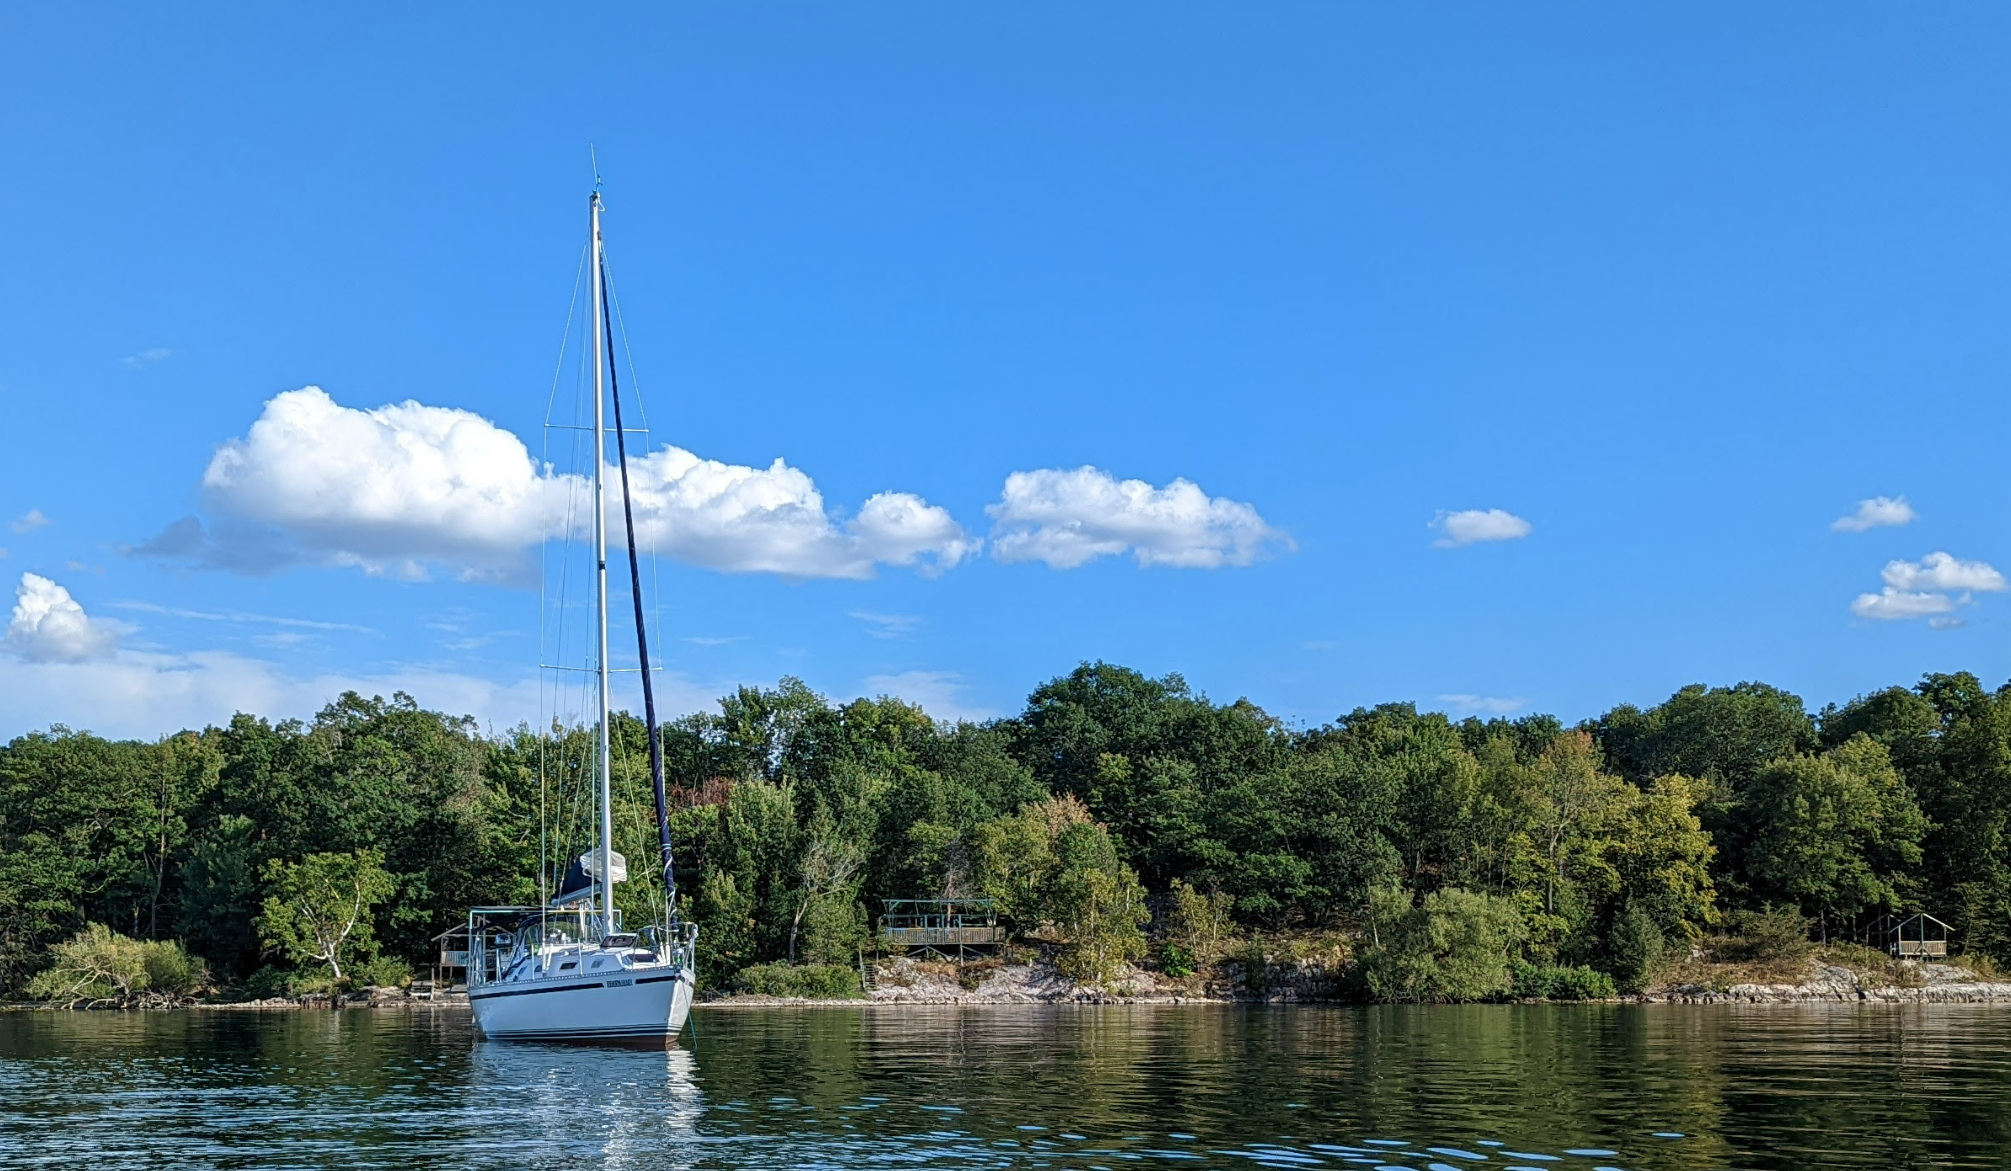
599	963
568	966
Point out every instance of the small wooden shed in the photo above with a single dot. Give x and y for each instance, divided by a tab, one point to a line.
1920	937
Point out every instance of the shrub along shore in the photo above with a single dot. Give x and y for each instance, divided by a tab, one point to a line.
1130	831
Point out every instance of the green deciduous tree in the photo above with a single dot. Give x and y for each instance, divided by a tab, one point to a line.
100	966
320	907
1096	903
1833	833
1455	946
1055	871
1198	921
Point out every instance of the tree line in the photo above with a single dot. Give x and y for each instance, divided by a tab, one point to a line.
1118	817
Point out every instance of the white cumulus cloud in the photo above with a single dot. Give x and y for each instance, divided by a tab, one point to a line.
1891	604
1066	518
48	626
773	520
29	521
399	488
1939	571
1473	525
1932	586
1874	513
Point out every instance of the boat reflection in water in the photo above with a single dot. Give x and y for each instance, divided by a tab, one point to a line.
609	1104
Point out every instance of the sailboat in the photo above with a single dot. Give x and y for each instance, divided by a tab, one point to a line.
567	970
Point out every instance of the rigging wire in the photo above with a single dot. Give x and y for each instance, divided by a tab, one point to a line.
544	453
641	634
564	750
562	822
642	409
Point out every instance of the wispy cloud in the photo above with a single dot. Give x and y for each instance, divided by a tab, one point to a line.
1474	525
145	356
712	639
939	693
475	642
888	625
1877	512
240	616
1488	704
29	521
146	692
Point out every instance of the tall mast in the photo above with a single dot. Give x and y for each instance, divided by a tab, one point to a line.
606	845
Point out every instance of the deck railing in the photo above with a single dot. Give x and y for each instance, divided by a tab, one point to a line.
940	923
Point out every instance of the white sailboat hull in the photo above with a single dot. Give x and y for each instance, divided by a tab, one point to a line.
636	1004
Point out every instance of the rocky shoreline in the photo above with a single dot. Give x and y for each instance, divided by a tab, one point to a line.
1831	983
904	983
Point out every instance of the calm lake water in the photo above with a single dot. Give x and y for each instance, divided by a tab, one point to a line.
1562	1089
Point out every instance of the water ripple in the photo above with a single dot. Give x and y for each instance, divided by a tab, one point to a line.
1665	1088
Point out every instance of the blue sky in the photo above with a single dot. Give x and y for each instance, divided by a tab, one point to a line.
1673	292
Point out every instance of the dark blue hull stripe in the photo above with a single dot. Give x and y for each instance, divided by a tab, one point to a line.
662	1030
565	988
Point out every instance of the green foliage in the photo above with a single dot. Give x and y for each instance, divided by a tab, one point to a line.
270	981
1455	946
1053	869
794	816
834	929
1197	922
1723	735
89	829
1953	744
1098	905
320	907
98	965
380	972
746	905
1634	948
1662	858
220	891
1833	833
827	921
1769	935
809	981
1551	982
171	970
